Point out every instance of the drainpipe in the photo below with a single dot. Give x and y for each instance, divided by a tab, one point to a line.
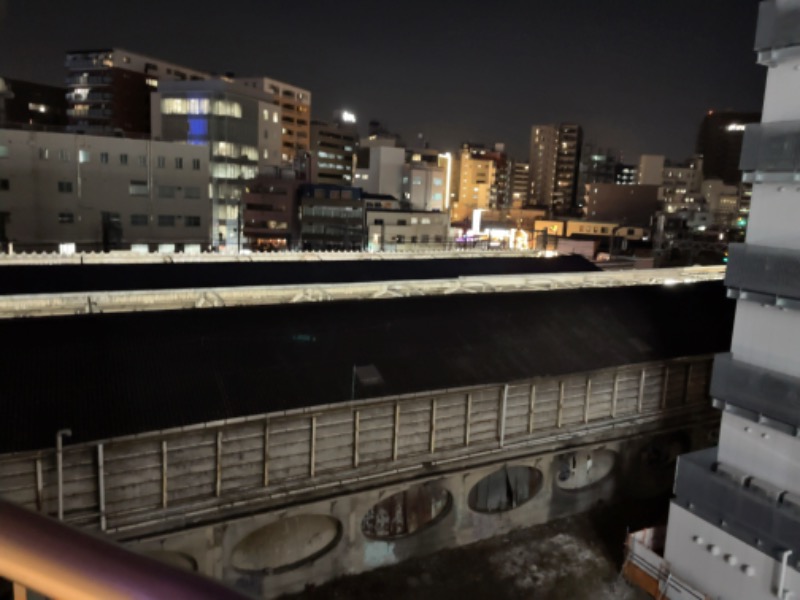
60	468
782	593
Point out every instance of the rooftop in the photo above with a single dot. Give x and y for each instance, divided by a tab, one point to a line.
118	374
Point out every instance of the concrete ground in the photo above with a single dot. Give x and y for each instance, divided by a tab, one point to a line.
575	558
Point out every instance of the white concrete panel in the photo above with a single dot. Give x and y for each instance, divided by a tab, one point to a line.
720	565
782	91
767	337
760	451
774	214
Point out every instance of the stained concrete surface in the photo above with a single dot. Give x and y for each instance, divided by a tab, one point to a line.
575	558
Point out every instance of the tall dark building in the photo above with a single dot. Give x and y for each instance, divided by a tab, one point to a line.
32	104
720	142
554	165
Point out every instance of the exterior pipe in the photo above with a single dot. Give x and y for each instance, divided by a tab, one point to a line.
782	581
60	468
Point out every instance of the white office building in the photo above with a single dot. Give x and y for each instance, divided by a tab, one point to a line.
62	191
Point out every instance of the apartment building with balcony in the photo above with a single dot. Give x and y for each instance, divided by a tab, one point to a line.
108	89
477	188
295	105
333	148
555	155
271	209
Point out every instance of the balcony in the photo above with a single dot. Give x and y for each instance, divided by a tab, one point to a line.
90	98
778	28
771	152
87	62
765	275
93	113
721	495
85	80
756	393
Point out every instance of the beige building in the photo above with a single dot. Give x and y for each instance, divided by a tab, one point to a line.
61	191
405	231
476	176
295	104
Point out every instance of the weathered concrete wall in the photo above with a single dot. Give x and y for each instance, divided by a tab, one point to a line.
263	553
165	480
41	305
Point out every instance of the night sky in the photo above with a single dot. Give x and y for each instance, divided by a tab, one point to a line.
638	74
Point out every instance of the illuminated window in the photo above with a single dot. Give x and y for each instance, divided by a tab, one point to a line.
138	188
266	154
44	153
83	156
275	117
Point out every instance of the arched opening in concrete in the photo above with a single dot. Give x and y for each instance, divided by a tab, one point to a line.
286	544
580	470
505	489
407	512
179	560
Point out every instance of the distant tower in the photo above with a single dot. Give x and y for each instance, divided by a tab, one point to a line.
555	155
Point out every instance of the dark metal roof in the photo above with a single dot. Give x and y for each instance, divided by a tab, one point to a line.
50	279
117	374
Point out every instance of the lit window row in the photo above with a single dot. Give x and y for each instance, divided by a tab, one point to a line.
230	150
201	106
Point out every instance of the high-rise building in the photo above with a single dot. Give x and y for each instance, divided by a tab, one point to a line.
240	128
295	103
109	89
476	185
333	147
554	163
719	141
520	184
734	524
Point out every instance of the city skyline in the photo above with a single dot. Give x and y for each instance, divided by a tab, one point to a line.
638	78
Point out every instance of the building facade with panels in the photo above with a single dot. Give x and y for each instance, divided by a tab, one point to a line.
81	192
239	128
734	527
